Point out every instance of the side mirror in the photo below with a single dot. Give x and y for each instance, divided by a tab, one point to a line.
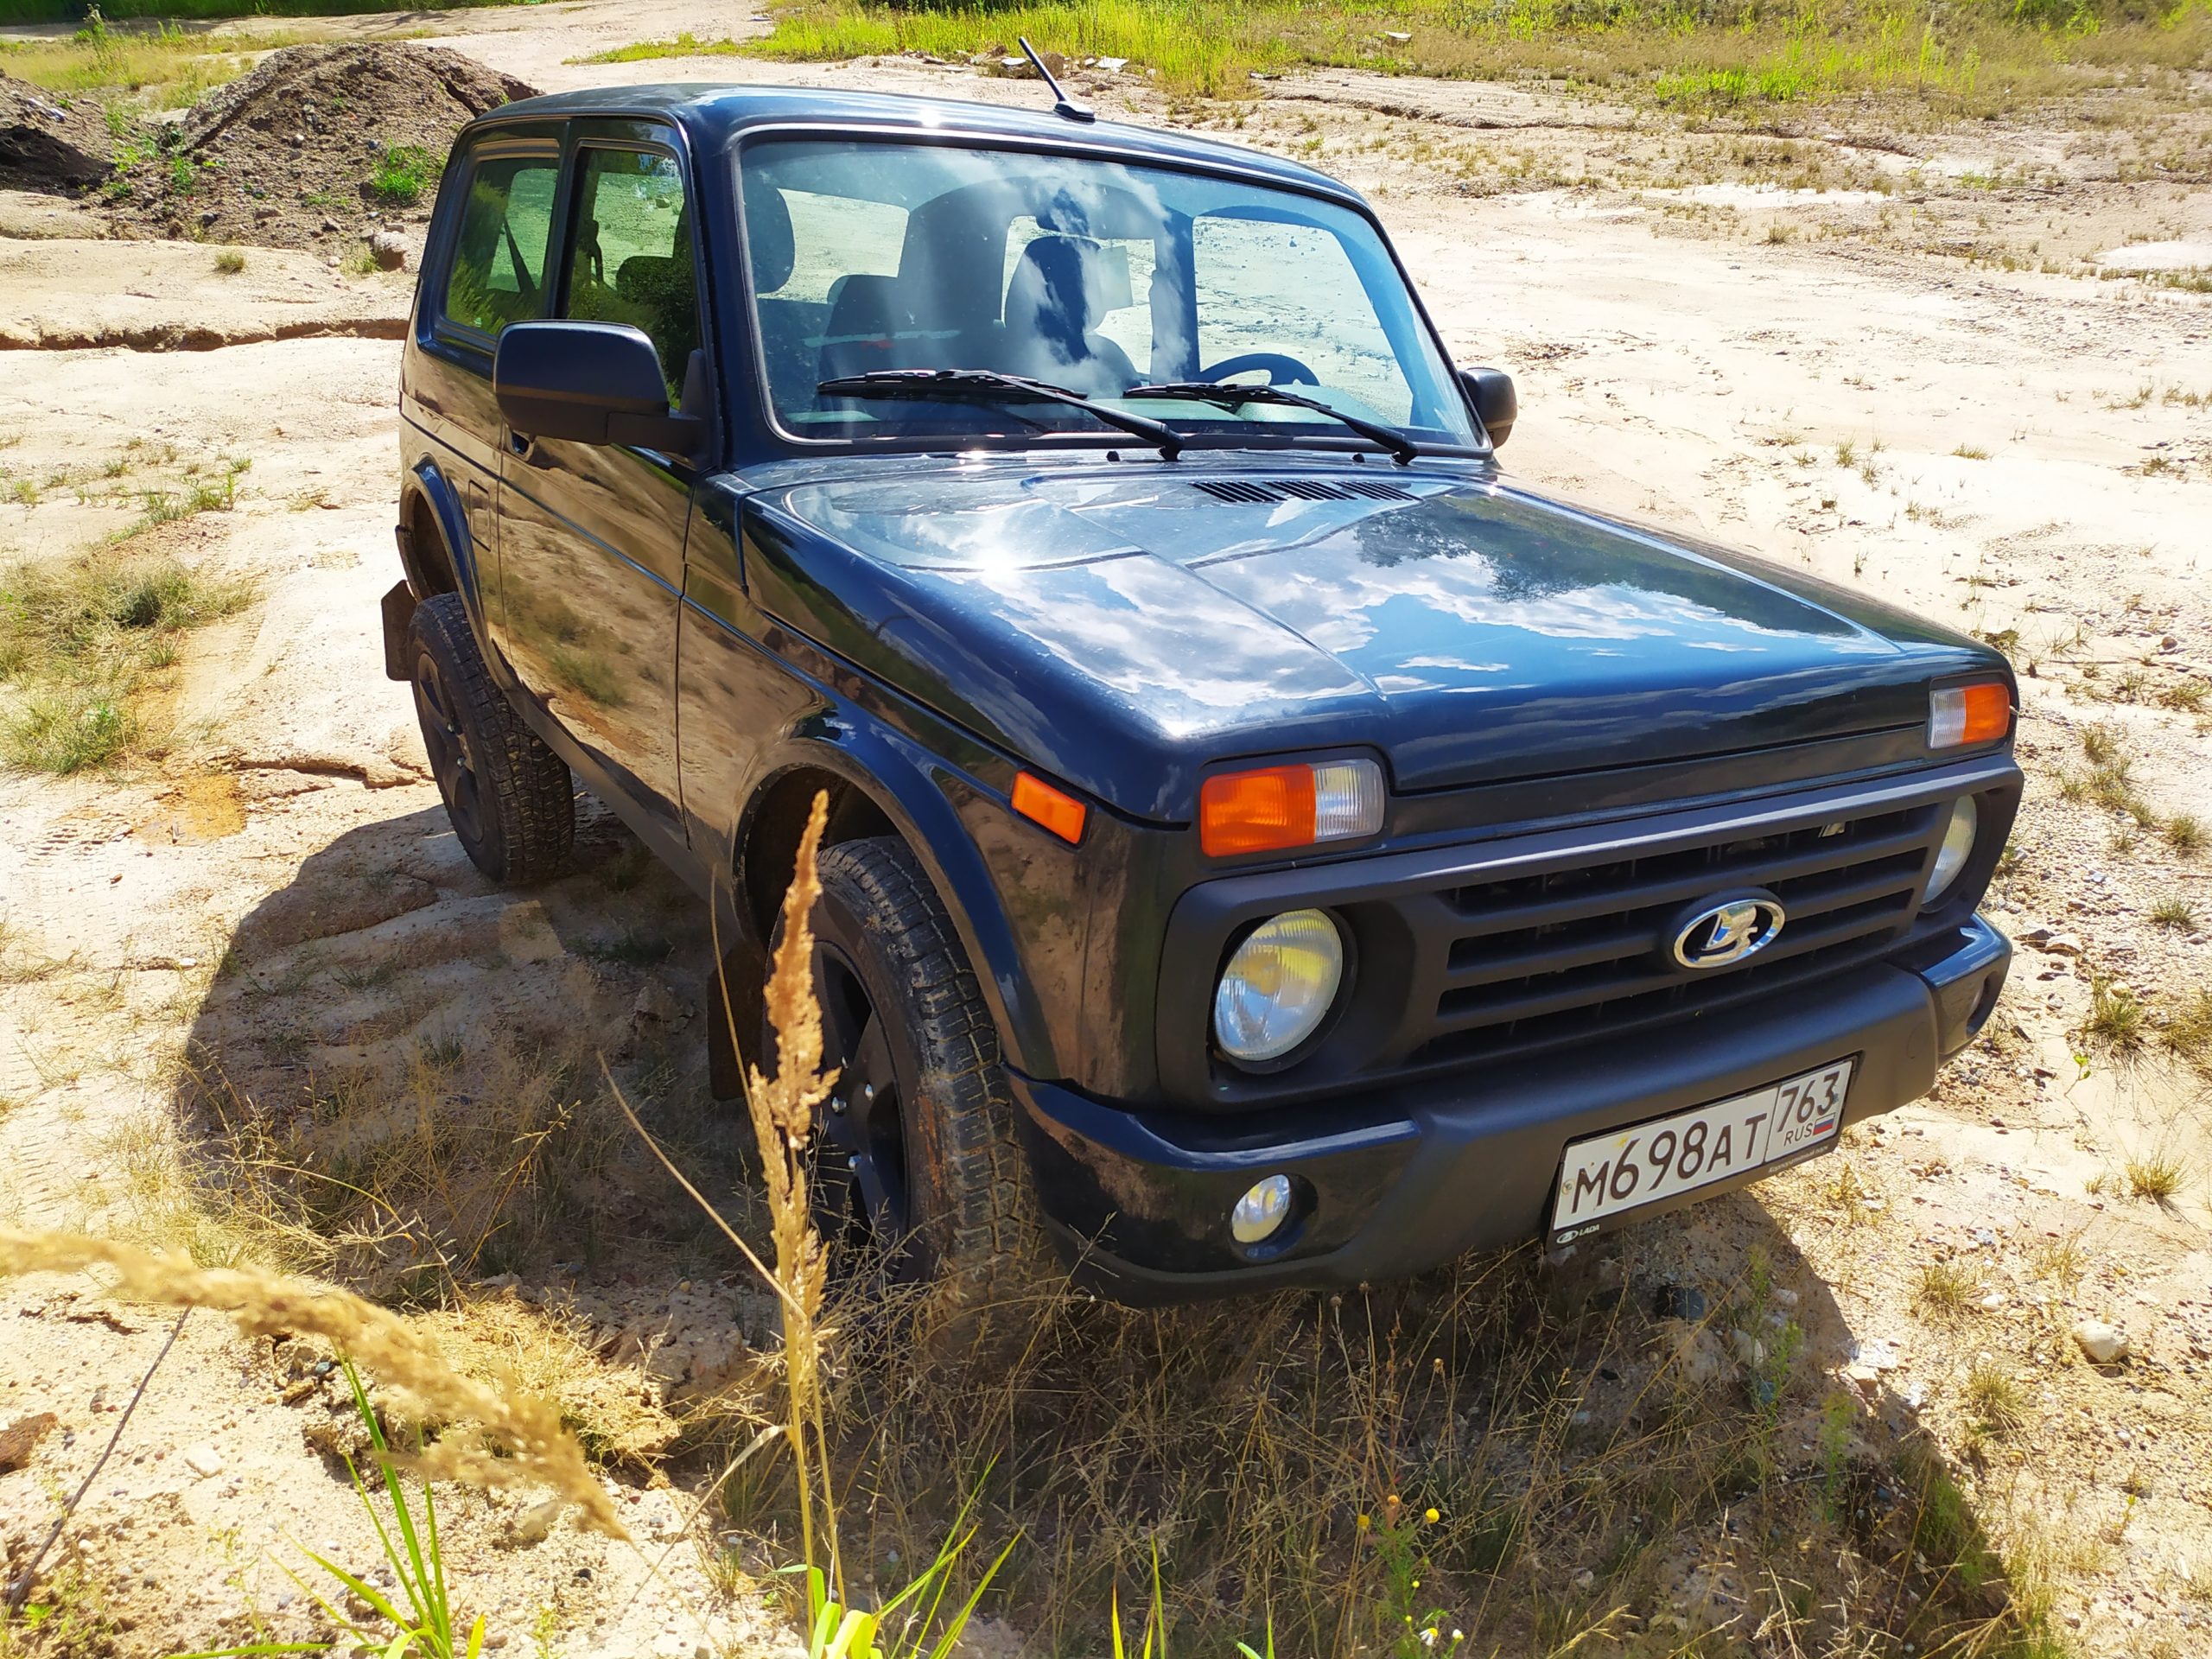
1490	391
588	383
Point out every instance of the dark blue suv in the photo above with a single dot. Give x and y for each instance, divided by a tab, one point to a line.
1266	845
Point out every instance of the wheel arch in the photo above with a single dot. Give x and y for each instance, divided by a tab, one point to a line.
435	548
876	788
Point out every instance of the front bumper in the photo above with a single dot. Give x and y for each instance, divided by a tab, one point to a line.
1418	1174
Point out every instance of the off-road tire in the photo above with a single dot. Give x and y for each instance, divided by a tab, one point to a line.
524	825
975	1237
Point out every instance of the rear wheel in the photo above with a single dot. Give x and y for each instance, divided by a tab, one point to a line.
915	1158
511	800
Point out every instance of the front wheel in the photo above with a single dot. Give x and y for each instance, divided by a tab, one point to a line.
915	1155
510	800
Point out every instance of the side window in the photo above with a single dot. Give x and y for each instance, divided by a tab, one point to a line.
630	259
498	265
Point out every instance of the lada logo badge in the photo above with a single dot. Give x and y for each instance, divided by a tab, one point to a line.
1728	930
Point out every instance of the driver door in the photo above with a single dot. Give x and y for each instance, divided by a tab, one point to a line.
593	551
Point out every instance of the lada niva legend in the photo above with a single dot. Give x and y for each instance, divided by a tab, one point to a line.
1267	845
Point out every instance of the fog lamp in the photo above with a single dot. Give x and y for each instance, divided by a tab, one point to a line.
1260	1214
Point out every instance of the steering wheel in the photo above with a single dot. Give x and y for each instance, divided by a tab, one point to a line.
1281	370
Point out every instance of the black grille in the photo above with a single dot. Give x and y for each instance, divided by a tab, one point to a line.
1540	960
1252	493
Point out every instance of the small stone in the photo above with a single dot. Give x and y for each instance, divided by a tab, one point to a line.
1679	1302
21	1436
389	250
657	1000
1865	1378
203	1460
532	1526
2102	1343
1992	1302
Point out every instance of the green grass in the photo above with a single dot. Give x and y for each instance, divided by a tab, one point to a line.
163	68
1692	54
62	11
402	174
78	637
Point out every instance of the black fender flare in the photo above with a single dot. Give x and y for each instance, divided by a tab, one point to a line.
426	482
895	774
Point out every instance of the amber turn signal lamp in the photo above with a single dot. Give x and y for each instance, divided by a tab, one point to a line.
1959	715
1271	808
1058	810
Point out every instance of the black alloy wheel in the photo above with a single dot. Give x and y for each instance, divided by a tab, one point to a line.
860	1192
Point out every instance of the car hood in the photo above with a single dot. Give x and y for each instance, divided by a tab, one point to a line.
1124	627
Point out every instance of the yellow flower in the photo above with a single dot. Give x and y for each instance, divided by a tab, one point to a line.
1365	1523
1430	1515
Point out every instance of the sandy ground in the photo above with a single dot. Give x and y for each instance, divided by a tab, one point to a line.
1848	379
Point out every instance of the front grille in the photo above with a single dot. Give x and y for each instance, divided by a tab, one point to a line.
1539	960
1270	491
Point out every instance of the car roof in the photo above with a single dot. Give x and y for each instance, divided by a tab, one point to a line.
713	114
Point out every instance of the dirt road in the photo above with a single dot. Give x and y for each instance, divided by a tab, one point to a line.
1847	379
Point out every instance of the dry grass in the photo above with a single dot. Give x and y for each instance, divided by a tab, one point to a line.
80	639
494	1436
1945	1290
2155	1175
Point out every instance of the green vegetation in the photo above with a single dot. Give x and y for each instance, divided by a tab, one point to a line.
163	68
1699	53
79	639
401	174
62	11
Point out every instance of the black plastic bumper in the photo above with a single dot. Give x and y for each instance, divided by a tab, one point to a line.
1414	1177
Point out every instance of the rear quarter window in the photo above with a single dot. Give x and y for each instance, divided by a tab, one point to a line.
497	274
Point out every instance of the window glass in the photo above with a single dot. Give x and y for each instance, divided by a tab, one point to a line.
1124	269
1098	278
837	237
499	264
1262	284
630	258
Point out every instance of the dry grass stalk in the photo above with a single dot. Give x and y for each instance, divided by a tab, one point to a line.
782	1108
535	1450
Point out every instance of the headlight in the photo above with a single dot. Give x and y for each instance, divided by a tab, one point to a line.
1279	986
1958	847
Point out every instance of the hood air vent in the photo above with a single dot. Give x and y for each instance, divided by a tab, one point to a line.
1298	489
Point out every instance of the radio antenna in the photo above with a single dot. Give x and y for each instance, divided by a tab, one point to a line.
1064	106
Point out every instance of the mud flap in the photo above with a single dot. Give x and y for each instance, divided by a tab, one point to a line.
399	613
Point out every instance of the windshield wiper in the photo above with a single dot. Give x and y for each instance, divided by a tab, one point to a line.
1227	397
989	384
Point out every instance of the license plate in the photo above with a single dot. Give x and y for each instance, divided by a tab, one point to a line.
1606	1176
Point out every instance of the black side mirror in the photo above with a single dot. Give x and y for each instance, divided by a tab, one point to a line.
588	383
1490	391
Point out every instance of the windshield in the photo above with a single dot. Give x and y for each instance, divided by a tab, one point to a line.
1086	274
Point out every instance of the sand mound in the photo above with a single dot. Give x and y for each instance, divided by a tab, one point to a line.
46	145
318	147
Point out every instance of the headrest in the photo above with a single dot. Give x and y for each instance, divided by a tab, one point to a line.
645	275
867	308
1065	285
768	234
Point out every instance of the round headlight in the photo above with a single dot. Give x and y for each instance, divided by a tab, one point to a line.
1958	847
1279	986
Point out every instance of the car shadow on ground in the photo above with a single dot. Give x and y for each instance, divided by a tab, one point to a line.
407	1077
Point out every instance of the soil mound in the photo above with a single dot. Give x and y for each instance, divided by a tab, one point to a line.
48	145
321	145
